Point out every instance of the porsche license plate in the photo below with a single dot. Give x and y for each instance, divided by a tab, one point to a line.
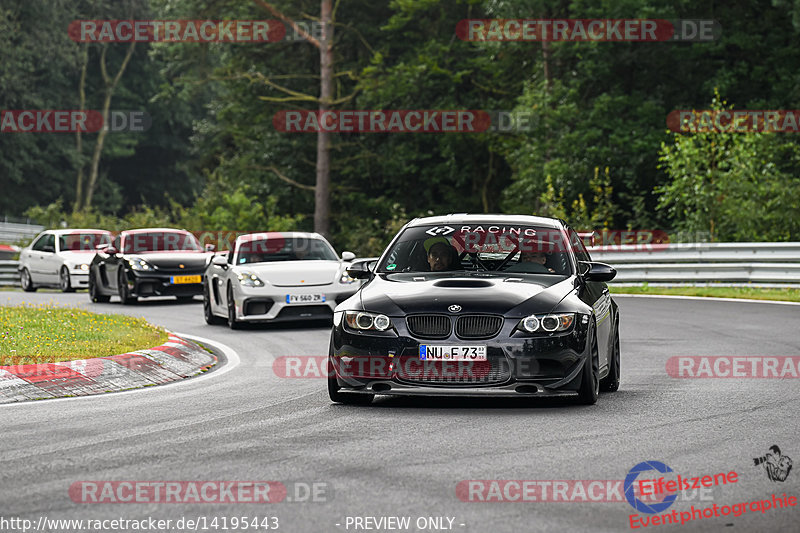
177	280
305	298
452	353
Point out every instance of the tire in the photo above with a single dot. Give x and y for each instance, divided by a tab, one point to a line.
610	383
64	283
590	383
94	291
232	322
124	292
25	281
347	398
211	318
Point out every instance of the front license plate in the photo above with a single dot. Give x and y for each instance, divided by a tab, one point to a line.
305	298
452	353
177	280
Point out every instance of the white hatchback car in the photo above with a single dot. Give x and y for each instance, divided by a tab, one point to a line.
60	258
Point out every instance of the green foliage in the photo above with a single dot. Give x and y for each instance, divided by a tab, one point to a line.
212	159
737	186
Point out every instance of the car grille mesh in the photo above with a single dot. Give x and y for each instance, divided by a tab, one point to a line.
429	326
478	326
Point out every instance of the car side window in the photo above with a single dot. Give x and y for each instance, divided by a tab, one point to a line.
115	244
581	254
39	244
49	244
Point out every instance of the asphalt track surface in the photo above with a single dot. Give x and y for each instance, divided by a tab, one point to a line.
405	457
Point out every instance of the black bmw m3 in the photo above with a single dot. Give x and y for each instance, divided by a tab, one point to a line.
478	305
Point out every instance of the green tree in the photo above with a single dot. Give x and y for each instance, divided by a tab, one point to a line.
737	186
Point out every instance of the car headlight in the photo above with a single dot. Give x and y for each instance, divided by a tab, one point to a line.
346	279
140	264
367	321
549	323
84	267
248	279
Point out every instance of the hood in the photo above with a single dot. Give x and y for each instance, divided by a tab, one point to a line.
295	273
504	294
173	260
77	258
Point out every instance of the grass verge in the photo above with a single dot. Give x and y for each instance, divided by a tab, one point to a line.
49	334
753	293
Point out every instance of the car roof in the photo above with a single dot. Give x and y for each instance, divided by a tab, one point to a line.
75	230
274	234
467	218
149	230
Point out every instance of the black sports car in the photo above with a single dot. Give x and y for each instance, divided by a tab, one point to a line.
478	305
148	262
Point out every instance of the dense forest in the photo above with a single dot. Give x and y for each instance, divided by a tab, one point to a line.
592	147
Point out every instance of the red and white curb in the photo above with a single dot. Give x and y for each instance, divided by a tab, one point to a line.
176	359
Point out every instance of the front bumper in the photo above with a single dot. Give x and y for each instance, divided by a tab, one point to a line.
154	283
268	304
79	279
517	363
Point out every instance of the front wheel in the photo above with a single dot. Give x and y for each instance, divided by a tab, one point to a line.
233	323
25	281
347	398
94	291
208	314
590	383
124	291
64	283
610	383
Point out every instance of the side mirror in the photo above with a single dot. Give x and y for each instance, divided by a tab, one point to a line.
49	249
360	270
348	256
598	271
220	261
210	247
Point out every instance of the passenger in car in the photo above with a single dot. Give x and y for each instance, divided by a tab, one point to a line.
534	262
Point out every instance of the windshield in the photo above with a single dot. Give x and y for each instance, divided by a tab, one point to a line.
280	248
160	241
82	242
492	248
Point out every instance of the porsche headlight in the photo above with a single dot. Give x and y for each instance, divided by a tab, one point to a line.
346	279
248	279
367	321
550	323
137	263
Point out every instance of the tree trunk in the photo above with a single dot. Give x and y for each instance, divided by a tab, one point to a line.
98	150
110	87
78	205
322	198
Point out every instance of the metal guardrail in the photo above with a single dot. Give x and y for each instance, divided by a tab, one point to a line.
731	264
9	277
13	233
